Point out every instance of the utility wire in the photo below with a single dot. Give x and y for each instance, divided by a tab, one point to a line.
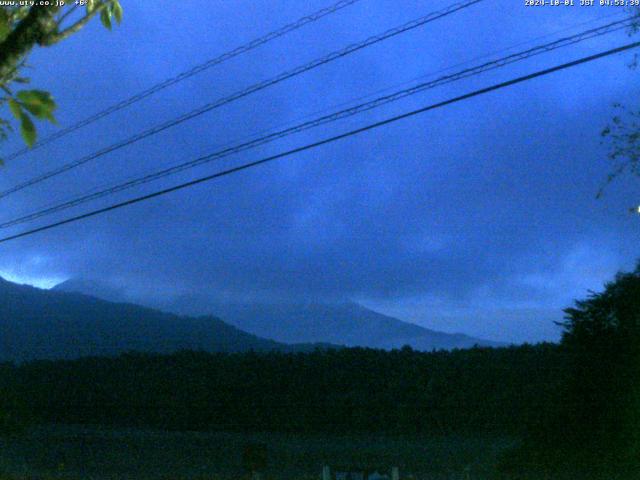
247	91
372	94
389	88
187	74
325	141
335	116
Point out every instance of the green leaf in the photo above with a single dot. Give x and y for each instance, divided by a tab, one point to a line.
37	97
27	130
39	103
5	24
40	111
117	11
105	18
15	108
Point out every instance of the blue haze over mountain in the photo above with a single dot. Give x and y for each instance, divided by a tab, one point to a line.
340	323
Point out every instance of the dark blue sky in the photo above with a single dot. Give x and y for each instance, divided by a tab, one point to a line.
480	217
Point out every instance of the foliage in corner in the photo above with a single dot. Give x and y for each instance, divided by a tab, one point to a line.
21	29
622	134
593	430
603	334
623	137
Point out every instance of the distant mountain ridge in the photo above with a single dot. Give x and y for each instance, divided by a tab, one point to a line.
94	288
348	323
53	324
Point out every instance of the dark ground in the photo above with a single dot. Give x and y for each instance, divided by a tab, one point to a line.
99	453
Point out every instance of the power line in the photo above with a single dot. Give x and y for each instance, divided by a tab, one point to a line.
335	116
187	74
247	91
388	88
325	141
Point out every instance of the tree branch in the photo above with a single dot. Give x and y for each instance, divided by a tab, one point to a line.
30	31
59	36
66	14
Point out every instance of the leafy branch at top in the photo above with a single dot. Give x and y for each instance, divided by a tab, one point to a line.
21	29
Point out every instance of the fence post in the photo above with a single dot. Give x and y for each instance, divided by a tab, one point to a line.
395	473
326	472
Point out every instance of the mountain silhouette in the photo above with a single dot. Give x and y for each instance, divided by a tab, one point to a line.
346	323
52	324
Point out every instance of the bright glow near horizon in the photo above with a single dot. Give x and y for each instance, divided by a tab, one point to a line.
39	282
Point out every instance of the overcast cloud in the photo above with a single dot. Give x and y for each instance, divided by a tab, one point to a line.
480	217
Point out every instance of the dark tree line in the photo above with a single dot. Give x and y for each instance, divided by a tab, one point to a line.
347	390
594	427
